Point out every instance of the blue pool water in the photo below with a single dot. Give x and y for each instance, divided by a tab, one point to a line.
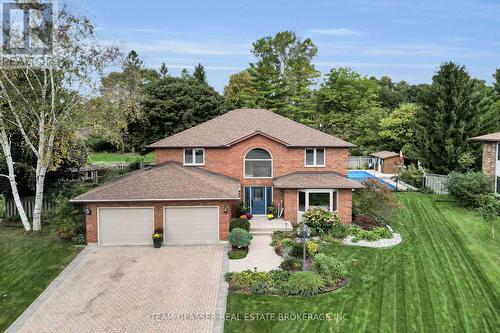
361	176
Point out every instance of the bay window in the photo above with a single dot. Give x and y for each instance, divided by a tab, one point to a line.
320	198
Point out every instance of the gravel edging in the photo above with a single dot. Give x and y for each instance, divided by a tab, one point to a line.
382	243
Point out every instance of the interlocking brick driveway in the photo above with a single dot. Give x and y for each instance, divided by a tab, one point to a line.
134	289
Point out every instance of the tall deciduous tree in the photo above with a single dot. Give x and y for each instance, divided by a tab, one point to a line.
172	105
342	98
455	109
40	99
119	102
239	92
397	130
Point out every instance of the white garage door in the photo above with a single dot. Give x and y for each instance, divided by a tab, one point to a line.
125	226
191	225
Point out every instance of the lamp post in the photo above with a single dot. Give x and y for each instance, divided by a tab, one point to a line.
305	232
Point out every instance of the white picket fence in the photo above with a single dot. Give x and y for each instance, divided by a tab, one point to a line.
435	182
359	162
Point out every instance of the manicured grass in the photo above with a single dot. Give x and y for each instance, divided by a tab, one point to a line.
237	254
120	157
444	277
28	264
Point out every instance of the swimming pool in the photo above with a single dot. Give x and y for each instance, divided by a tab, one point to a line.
361	176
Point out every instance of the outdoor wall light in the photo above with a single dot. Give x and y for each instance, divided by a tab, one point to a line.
226	208
87	211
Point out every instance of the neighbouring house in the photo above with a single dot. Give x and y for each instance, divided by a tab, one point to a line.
203	173
386	162
491	157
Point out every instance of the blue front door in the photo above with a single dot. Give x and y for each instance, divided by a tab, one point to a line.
258	198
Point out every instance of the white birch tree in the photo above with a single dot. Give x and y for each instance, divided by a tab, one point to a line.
43	94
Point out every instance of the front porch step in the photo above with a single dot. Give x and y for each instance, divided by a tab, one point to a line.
261	233
270	229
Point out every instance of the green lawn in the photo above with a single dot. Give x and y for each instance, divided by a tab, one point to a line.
444	277
28	263
119	157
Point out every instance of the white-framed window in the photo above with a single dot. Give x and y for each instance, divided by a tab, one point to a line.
317	198
194	156
314	157
258	164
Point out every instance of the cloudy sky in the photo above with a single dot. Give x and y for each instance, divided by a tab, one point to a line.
405	40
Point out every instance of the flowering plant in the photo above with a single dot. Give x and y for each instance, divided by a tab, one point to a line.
270	216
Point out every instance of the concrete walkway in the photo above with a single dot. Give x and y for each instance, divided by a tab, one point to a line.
260	254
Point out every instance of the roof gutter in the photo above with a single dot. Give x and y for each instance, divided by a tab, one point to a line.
144	200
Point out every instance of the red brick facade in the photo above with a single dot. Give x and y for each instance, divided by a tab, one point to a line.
230	162
224	218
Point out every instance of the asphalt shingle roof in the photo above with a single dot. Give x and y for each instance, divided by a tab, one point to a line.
239	124
315	180
166	181
384	154
494	137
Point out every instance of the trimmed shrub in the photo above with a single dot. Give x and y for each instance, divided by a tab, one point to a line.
291	264
247	279
260	288
239	223
319	219
240	238
312	248
365	222
298	250
413	175
375	201
304	284
469	188
371	235
330	269
339	230
237	254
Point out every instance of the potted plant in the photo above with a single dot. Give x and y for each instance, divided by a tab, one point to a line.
270	216
157	238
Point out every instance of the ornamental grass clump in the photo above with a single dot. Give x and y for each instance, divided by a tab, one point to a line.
330	269
304	284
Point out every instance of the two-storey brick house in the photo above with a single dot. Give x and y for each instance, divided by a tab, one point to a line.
203	173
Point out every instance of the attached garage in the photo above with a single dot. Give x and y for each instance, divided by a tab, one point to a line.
191	225
125	226
192	205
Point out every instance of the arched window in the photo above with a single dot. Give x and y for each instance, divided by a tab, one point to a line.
258	164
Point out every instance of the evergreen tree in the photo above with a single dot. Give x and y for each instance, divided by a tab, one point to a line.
163	71
199	74
185	74
455	109
283	74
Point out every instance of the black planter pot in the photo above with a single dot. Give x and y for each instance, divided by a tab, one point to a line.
157	242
